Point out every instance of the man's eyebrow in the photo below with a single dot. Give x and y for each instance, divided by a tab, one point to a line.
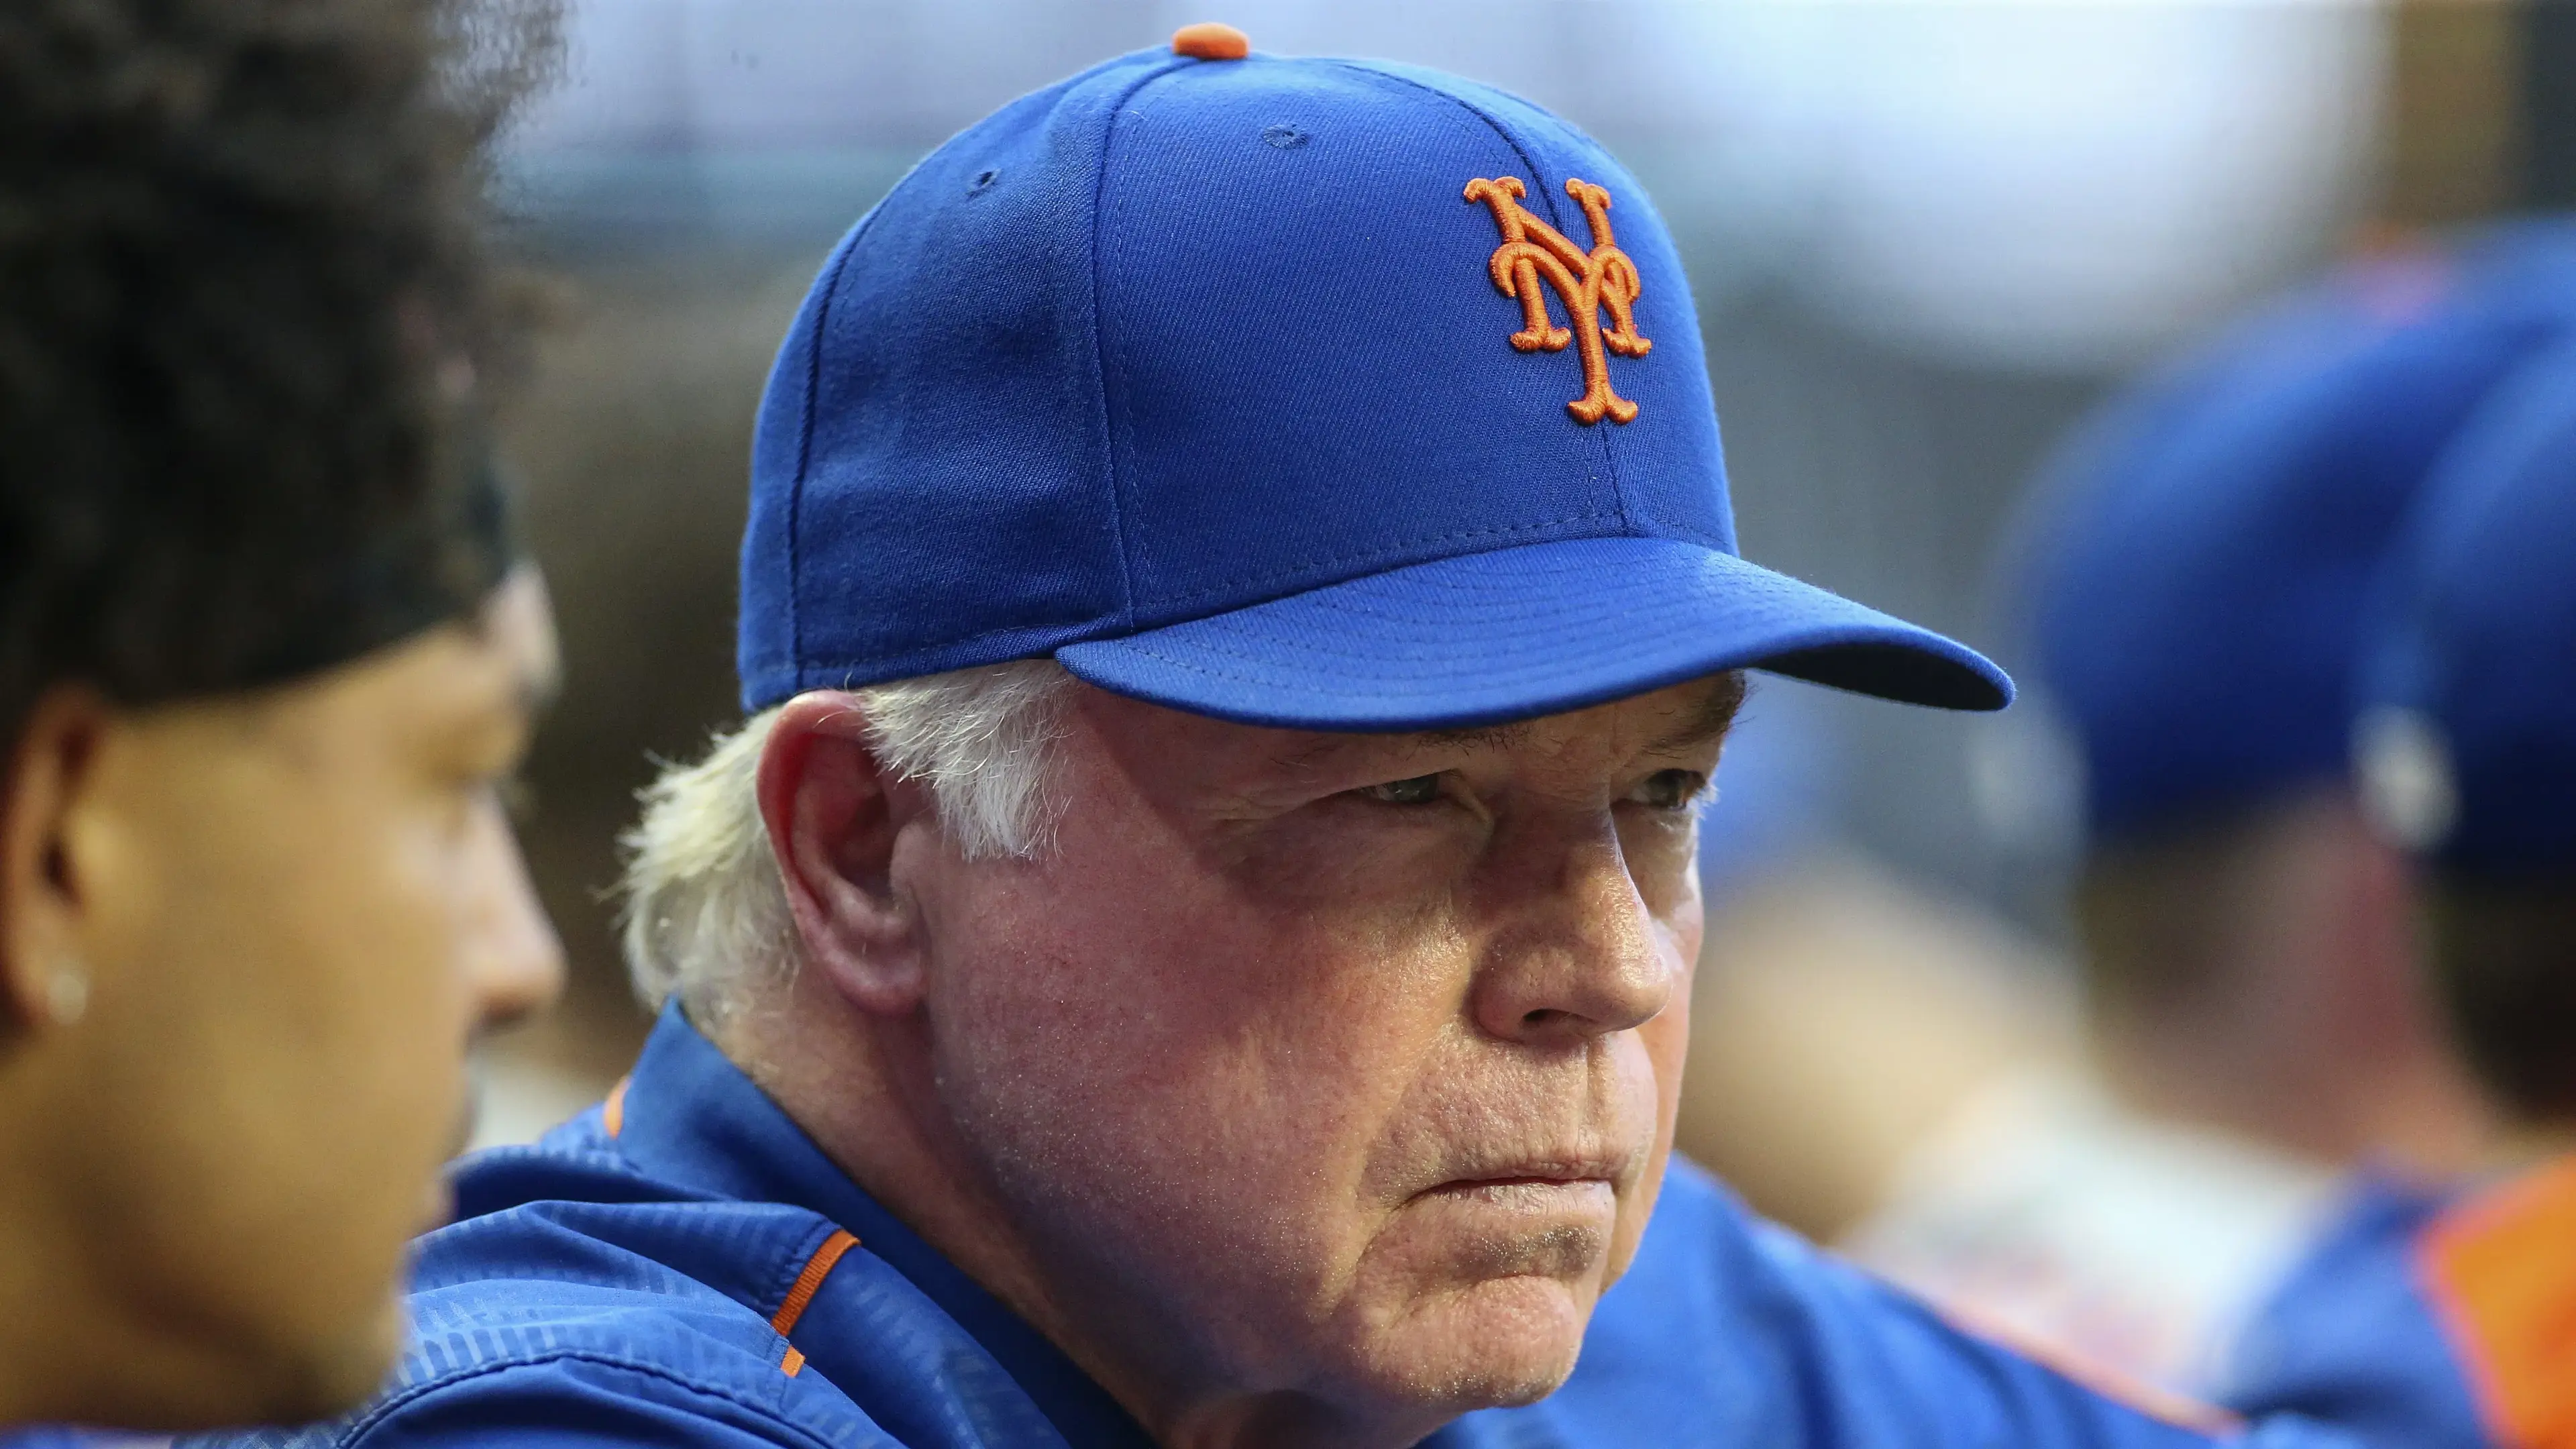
1715	716
1484	737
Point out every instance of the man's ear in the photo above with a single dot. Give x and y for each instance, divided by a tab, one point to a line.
833	814
44	982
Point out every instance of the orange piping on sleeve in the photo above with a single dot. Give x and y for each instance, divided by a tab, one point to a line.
817	1268
612	1113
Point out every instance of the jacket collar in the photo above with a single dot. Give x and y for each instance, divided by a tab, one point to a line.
690	1117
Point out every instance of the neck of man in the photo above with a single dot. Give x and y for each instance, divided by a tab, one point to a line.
2409	1110
77	1344
2281	1001
42	1312
864	1089
2330	1058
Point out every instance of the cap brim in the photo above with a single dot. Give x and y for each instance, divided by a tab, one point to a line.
1522	632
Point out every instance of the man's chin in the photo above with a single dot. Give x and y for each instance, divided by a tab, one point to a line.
344	1372
1499	1344
322	1377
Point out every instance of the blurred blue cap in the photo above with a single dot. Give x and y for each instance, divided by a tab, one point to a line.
2196	584
2466	736
1778	792
1299	392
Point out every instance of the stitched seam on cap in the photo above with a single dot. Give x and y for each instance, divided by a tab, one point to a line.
1514	671
1538	180
805	438
1381	551
926	658
868	663
1811	640
1545	670
1103	352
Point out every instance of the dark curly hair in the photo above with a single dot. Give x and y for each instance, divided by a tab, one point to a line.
246	314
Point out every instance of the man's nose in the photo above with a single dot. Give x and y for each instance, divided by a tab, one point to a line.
515	965
1581	959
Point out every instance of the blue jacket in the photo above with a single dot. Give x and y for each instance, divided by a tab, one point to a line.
2426	1321
682	1266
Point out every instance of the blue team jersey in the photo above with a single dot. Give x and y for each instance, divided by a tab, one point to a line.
682	1266
2426	1322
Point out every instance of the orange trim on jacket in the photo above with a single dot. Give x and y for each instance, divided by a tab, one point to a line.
817	1268
2501	1272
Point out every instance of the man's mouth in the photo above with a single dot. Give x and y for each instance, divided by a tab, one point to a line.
1529	1197
1552	1182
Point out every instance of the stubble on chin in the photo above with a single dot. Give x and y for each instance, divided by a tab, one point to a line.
1455	1322
1506	1341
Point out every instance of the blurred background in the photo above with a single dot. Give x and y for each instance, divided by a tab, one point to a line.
1924	238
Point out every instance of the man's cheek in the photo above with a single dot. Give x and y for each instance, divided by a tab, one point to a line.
1664	1044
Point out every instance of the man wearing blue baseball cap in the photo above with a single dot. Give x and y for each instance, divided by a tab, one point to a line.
2193	587
1192	944
2445	1325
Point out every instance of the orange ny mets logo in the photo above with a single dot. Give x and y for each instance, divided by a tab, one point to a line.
1586	282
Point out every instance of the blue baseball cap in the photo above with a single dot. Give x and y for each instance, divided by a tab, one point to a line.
1316	393
2195	585
2466	732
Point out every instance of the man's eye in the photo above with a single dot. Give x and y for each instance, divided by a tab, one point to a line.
1670	789
1419	790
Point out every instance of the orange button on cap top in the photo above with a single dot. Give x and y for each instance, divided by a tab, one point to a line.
1209	40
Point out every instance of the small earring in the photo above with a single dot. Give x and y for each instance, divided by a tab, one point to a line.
67	993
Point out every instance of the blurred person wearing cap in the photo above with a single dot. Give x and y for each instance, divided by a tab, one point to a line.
1191	945
2441	1321
1838	1011
265	656
2194	590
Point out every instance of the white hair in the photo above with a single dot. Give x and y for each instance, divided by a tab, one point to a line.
705	916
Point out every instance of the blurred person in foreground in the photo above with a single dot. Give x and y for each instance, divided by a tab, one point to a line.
2194	591
1192	944
2443	1321
264	658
